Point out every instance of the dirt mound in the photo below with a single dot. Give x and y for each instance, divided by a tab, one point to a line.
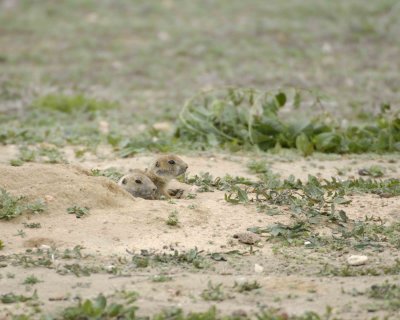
62	186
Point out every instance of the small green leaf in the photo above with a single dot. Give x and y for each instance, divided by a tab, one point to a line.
297	99
281	99
304	145
87	308
242	195
327	142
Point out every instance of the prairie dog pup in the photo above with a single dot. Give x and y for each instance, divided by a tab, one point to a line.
163	170
138	184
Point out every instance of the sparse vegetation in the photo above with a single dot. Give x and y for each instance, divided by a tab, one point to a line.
13	206
31	280
246	286
94	82
214	293
111	173
99	308
173	219
71	103
32	225
79	212
237	118
388	293
9	298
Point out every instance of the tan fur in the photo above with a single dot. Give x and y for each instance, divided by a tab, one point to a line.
163	170
138	184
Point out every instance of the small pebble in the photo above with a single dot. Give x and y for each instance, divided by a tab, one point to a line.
247	237
258	268
48	198
357	260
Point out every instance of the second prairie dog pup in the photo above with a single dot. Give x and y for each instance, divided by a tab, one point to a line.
163	170
138	184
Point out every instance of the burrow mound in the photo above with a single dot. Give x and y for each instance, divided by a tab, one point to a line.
62	186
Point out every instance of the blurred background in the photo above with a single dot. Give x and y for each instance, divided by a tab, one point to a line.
152	55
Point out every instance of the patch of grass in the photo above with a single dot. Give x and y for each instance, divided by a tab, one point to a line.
364	234
78	269
10	206
375	171
9	298
111	173
192	257
349	271
237	118
258	166
246	286
36	207
27	154
99	308
16	162
20	233
173	219
387	292
31	280
161	278
207	183
1	244
79	212
71	103
317	201
32	225
141	261
295	233
13	206
214	293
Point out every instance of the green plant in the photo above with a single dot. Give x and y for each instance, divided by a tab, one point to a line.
20	233
31	280
246	286
79	212
32	225
214	292
14	298
16	162
71	103
12	207
98	308
111	173
140	261
1	244
237	118
36	207
373	171
173	219
161	278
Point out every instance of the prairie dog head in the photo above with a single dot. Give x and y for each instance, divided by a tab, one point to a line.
168	166
138	184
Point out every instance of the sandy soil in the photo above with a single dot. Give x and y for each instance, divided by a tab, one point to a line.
119	225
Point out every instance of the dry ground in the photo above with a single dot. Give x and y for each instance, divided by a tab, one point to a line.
119	226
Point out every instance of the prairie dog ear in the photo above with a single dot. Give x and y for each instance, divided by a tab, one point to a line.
124	181
157	164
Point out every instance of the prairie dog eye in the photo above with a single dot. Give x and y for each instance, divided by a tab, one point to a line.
171	162
138	181
124	181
